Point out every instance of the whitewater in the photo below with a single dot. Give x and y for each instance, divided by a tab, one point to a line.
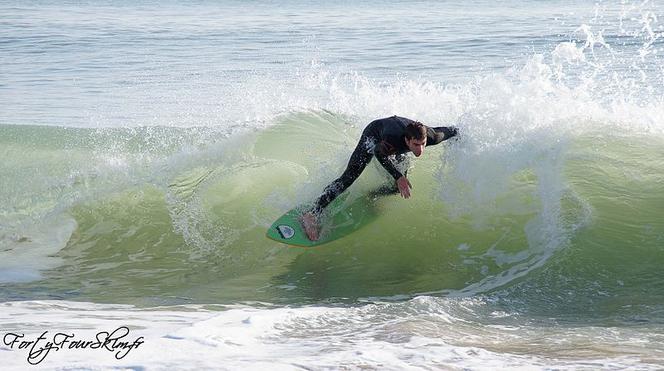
146	148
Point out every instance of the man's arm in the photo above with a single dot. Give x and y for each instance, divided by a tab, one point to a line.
402	182
388	165
439	134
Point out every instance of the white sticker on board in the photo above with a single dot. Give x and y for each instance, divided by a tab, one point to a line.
286	231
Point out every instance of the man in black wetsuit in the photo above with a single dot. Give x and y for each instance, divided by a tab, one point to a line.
383	138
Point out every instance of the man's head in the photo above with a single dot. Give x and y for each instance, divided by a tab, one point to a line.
416	137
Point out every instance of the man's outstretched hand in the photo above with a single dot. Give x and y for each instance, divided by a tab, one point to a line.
404	186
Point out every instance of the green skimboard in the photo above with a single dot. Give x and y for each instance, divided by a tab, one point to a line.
341	221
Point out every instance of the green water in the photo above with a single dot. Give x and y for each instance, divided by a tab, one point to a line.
191	228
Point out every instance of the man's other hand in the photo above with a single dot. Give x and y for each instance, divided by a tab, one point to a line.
404	186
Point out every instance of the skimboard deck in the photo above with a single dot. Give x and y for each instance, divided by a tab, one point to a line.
343	221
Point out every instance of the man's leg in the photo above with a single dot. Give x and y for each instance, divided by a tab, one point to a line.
361	156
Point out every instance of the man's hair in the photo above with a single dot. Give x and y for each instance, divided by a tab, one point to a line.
416	130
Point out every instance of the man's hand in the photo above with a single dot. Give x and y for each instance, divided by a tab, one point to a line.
404	186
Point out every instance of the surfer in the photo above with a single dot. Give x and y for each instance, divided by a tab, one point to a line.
389	139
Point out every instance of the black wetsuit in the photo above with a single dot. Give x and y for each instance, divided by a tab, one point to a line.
381	138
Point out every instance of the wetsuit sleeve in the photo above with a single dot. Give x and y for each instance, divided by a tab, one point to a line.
437	135
388	165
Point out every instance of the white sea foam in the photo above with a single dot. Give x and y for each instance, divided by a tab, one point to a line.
420	333
25	253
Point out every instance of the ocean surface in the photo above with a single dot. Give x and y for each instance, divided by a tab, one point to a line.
145	148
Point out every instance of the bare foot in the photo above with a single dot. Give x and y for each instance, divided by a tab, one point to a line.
310	225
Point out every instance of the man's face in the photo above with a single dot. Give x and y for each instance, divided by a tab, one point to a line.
416	146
